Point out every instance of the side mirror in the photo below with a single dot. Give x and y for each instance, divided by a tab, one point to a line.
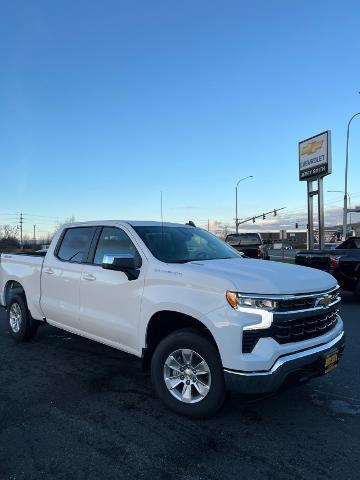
123	263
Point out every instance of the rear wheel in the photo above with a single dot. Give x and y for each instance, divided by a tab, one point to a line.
187	374
21	325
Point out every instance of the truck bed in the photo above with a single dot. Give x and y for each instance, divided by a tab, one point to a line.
25	269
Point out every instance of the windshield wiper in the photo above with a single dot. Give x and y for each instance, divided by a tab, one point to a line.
182	261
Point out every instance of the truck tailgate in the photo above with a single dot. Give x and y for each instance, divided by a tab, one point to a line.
321	261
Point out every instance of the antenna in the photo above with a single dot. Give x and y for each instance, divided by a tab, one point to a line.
162	218
161	207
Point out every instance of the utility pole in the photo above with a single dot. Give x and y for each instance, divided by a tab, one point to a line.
34	234
208	225
21	230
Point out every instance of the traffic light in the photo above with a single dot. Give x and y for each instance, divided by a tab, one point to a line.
264	216
253	219
275	213
296	225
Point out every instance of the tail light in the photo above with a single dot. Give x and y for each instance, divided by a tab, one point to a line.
334	263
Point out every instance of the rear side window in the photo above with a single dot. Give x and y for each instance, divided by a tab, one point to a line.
75	244
249	238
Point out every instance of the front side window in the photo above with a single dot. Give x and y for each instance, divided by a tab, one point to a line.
114	241
75	244
184	244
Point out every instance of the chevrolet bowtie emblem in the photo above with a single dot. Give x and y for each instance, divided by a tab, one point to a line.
323	301
311	147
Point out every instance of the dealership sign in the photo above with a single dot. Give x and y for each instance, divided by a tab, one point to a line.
315	156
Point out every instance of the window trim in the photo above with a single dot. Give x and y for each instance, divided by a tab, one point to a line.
61	239
95	243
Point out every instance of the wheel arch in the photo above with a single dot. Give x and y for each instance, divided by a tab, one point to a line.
165	322
12	287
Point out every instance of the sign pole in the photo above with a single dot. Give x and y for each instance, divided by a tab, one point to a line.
310	215
321	213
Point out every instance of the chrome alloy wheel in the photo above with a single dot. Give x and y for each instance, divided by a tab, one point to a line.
187	376
15	317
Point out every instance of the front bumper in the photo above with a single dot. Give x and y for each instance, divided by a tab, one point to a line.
297	367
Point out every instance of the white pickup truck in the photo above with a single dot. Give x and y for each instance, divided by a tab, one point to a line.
200	316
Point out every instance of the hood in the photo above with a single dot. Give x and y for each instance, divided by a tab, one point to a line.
266	277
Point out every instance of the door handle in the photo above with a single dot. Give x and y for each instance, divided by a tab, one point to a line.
89	277
49	271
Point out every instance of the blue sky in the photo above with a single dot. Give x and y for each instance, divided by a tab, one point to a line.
105	104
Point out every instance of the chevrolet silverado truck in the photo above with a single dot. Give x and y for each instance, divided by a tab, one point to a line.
343	262
203	319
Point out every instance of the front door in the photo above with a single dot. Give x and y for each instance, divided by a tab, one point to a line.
109	301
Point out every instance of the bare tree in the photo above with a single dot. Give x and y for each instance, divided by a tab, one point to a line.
9	236
9	231
70	219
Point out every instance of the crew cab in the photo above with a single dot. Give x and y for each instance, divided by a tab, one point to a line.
343	262
202	318
250	244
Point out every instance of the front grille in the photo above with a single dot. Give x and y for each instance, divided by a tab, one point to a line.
285	329
303	302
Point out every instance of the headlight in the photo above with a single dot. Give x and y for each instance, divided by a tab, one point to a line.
260	309
242	300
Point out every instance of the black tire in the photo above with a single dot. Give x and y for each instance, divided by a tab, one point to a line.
25	328
202	346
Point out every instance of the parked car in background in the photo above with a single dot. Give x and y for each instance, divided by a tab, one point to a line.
251	244
343	262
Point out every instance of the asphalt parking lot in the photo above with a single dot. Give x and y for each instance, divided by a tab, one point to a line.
74	409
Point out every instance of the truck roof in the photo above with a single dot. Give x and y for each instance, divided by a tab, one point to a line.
133	223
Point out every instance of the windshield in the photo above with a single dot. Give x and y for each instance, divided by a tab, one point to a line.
184	244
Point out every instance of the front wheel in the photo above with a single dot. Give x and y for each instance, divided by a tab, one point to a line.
21	325
187	374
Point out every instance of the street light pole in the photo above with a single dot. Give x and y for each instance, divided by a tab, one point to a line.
236	203
346	176
348	196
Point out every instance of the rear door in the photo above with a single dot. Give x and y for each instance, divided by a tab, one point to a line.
61	273
109	301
